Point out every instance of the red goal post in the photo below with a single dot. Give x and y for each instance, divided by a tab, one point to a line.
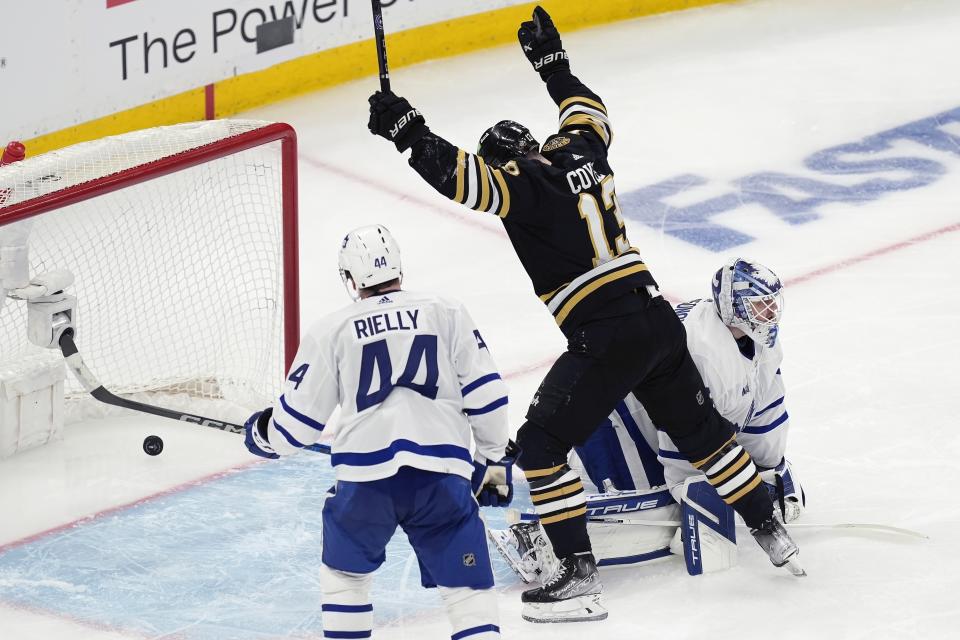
183	242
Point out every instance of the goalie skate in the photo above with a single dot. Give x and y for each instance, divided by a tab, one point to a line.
782	550
571	594
524	547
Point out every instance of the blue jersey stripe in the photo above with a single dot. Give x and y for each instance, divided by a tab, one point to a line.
383	455
479	382
288	436
472	631
768	427
347	634
775	403
310	422
496	404
347	608
673	455
651	466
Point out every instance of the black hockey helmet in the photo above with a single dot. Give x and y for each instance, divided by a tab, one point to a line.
506	141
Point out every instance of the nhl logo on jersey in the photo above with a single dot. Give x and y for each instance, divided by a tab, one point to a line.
555	143
469	560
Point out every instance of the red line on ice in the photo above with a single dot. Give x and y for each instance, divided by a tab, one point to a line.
153	496
849	262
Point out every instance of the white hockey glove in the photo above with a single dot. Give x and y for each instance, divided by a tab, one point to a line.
492	482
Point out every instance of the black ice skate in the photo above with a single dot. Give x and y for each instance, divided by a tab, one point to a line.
783	551
526	549
571	594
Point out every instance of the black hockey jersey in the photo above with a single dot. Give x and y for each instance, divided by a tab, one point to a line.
563	218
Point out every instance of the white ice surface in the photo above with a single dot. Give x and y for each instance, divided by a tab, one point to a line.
871	345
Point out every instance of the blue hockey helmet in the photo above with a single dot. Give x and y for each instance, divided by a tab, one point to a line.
748	296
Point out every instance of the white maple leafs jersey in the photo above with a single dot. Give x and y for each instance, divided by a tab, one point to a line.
747	390
414	381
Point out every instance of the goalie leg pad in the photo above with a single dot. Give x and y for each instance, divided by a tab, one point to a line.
708	529
626	543
347	611
614	539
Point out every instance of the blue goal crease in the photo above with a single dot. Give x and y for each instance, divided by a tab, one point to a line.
236	558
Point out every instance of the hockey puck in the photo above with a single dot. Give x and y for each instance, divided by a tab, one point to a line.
152	445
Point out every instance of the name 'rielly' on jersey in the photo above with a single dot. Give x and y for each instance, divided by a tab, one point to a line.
563	218
414	381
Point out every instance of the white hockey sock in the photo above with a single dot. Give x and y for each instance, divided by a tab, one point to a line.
473	613
347	611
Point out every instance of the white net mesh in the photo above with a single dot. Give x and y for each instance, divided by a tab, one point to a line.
179	279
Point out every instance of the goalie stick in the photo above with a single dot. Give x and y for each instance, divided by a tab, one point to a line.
92	386
863	526
381	46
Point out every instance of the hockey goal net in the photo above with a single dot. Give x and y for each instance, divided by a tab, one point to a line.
183	244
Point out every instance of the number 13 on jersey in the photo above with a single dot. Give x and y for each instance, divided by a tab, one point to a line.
605	247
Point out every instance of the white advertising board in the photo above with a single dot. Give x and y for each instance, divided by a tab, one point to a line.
64	62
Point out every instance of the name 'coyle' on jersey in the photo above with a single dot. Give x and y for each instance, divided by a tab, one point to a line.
562	218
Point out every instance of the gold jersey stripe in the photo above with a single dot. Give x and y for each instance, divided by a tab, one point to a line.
504	194
484	185
562	491
753	484
568	306
582	119
738	464
593	103
546	297
582	511
461	166
700	463
540	473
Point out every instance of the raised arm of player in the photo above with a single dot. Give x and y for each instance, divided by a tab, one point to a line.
457	174
581	110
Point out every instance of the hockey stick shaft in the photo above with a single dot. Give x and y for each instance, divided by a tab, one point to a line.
92	386
863	526
381	45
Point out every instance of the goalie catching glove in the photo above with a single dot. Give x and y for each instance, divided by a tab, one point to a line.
255	434
541	44
393	118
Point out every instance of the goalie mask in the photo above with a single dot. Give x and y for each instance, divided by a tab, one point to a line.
506	141
368	256
748	296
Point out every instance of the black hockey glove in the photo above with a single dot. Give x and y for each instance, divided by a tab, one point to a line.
393	118
541	44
